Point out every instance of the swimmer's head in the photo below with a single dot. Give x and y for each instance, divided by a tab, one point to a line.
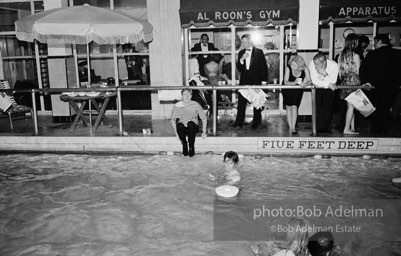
320	244
230	160
232	156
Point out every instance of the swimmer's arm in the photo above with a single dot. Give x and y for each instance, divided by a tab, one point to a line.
231	180
221	179
212	177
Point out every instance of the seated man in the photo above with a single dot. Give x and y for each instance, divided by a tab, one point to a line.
83	73
203	45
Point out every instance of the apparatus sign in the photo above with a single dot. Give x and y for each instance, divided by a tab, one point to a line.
376	11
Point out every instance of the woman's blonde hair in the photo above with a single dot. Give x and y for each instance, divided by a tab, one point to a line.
297	236
299	60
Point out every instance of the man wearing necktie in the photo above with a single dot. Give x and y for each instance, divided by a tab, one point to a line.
253	68
203	46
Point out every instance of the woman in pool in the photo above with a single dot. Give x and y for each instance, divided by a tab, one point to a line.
297	238
230	176
184	120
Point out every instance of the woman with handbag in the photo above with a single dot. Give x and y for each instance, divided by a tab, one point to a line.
349	62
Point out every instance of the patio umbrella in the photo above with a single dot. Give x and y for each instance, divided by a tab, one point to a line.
82	25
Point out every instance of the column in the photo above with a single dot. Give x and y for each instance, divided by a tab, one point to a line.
166	65
61	72
308	38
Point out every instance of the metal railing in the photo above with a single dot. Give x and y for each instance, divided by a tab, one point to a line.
121	88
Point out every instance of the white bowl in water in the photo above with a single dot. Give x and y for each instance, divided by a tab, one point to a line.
227	191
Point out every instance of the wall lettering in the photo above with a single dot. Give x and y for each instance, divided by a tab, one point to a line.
318	144
269	14
239	15
202	16
367	11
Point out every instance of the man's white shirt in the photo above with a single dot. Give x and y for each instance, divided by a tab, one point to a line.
332	70
205	48
248	59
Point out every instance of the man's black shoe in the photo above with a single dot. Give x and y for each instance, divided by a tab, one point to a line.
236	125
256	123
184	150
339	128
323	131
191	152
254	126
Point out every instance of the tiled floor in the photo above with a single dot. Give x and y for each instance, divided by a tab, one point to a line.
272	125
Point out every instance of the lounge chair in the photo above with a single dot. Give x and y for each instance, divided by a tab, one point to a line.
9	107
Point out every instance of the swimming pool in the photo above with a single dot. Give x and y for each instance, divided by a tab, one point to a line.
71	204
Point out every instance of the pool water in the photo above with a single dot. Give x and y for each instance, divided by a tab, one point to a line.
71	204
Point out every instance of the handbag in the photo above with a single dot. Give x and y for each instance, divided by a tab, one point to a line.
361	102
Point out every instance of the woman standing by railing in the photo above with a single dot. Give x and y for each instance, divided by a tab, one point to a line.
296	73
349	62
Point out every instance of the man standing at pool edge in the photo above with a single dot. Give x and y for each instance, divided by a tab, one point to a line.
381	68
253	68
324	75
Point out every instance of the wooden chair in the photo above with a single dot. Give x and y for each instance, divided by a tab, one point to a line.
15	108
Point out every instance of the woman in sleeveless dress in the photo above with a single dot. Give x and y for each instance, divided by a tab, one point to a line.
349	62
296	73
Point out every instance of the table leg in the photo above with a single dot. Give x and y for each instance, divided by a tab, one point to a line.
99	109
101	115
80	114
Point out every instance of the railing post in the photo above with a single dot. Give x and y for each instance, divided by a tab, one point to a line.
214	111
90	117
35	112
120	111
313	94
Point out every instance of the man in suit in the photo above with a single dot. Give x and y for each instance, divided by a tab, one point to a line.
324	75
204	46
133	63
381	68
253	68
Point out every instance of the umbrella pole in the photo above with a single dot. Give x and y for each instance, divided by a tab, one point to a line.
89	65
39	72
117	82
74	50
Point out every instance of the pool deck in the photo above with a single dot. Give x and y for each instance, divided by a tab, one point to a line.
271	137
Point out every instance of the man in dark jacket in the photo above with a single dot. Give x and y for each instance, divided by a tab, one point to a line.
205	46
134	63
253	68
382	69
